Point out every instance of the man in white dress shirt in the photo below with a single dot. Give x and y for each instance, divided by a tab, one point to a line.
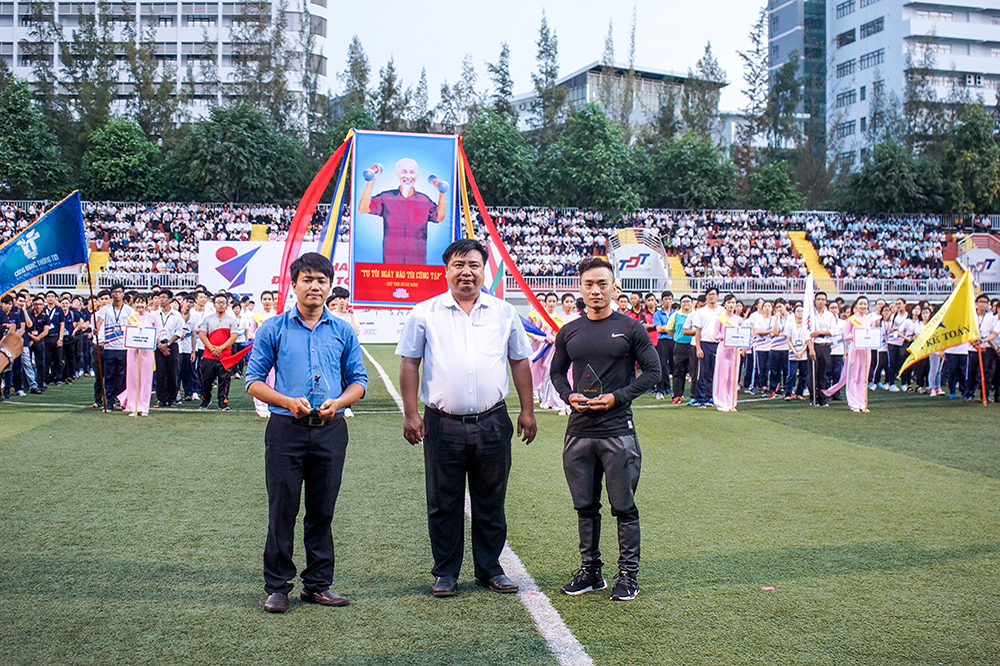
466	338
823	325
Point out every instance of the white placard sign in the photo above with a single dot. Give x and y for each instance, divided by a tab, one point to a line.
868	338
140	337
738	337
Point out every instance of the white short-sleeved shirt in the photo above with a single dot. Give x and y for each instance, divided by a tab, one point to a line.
779	342
705	318
760	323
464	355
112	333
797	336
168	324
837	339
823	322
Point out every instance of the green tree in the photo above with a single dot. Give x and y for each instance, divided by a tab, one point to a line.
355	76
30	163
700	108
418	114
590	165
503	85
91	70
236	156
121	164
390	100
501	159
261	56
692	173
972	162
460	102
356	118
783	103
754	124
773	189
550	99
156	98
886	183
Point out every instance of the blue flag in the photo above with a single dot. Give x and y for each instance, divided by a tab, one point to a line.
55	240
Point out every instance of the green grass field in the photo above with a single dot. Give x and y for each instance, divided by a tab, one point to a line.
130	541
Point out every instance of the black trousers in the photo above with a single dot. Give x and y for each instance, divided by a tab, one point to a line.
166	375
953	372
69	359
618	460
296	455
38	356
682	364
114	374
897	354
706	371
833	376
973	383
454	450
665	350
778	362
210	370
819	369
53	360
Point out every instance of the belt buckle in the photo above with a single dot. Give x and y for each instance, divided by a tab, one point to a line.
471	418
315	421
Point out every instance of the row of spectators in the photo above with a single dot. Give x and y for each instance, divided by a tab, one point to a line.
893	248
163	238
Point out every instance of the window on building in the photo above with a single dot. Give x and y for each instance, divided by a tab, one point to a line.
865	3
845	8
775	23
846	158
846	128
845	38
974	80
775	52
847	98
864	93
929	15
931	47
878	86
864	124
846	68
995	52
864	151
872	59
7	52
872	27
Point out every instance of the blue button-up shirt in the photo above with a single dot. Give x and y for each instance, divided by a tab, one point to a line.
660	318
298	353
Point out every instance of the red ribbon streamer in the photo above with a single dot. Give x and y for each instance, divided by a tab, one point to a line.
501	248
303	215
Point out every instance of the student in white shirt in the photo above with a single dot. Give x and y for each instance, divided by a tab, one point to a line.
987	323
836	348
705	344
169	329
778	358
761	321
799	346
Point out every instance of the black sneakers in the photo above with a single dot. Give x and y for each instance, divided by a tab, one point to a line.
626	587
586	579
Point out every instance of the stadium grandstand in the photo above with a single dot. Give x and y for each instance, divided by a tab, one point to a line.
746	251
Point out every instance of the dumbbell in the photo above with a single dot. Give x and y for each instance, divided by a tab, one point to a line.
438	183
372	172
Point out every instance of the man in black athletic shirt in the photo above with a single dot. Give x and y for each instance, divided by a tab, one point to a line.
600	435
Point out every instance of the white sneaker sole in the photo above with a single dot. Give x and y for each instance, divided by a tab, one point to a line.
586	589
614	598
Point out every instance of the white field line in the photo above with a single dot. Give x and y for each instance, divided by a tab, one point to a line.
561	641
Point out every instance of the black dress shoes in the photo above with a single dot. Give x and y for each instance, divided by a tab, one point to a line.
499	583
444	586
326	598
276	603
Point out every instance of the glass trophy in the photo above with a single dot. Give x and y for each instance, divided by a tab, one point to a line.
316	393
589	385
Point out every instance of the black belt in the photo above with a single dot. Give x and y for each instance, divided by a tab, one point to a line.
469	418
822	344
317	421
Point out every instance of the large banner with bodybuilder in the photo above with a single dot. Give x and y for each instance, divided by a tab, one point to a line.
404	215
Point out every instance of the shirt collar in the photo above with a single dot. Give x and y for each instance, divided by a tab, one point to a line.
450	301
325	316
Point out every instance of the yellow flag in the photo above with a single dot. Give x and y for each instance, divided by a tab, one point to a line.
953	324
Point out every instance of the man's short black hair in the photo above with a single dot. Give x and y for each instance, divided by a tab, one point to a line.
665	294
590	263
710	290
314	262
340	292
117	285
51	292
982	297
103	292
166	292
7	298
462	247
38	298
219	295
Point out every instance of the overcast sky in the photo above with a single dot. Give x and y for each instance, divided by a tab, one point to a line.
436	34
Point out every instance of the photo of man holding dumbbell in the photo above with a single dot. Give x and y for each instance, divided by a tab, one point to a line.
405	211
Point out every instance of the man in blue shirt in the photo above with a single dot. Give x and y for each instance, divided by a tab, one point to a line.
54	339
664	342
37	332
318	373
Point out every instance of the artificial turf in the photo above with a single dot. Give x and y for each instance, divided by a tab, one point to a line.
139	541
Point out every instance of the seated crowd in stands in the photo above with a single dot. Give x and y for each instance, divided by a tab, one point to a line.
163	238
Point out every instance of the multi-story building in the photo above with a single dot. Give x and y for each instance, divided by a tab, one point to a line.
875	45
588	84
799	27
196	38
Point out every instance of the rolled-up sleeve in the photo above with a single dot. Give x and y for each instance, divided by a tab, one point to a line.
262	355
